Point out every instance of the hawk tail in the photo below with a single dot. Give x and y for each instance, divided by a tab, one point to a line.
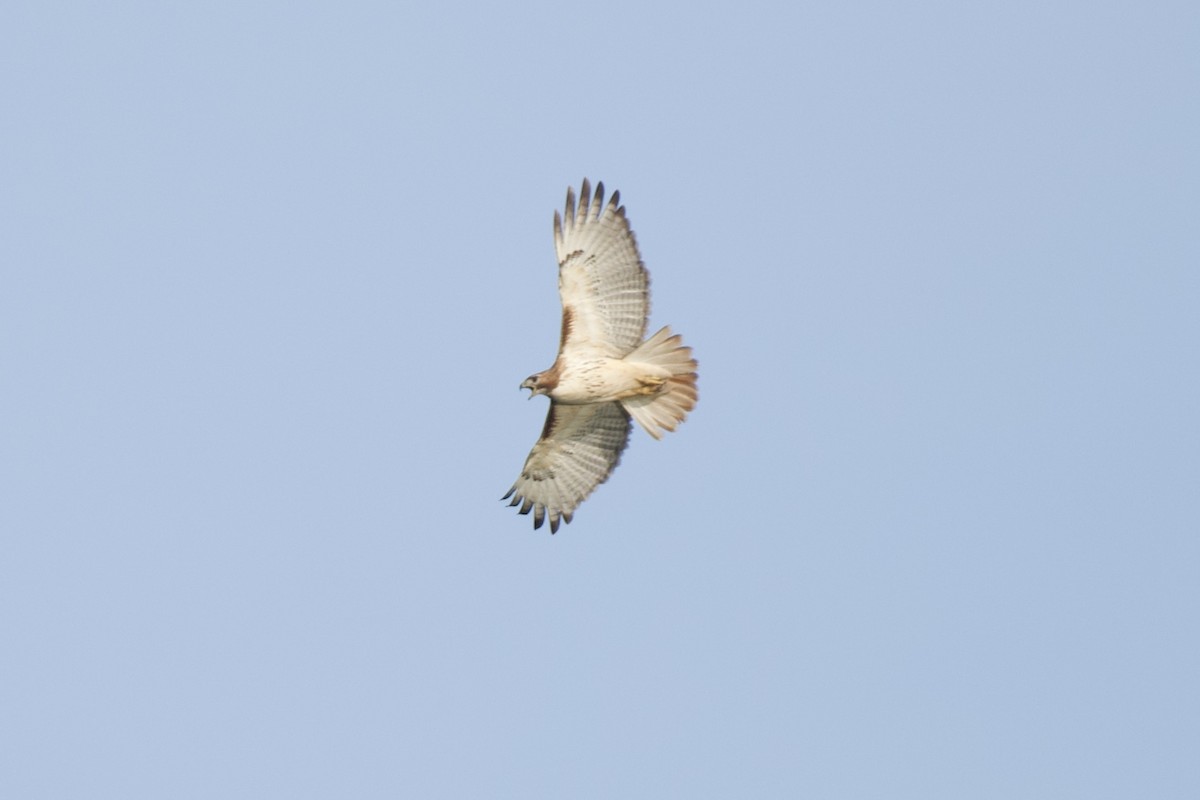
668	406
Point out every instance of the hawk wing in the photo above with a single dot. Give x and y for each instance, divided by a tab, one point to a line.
603	285
579	447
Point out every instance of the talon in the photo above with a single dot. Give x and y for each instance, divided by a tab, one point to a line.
651	384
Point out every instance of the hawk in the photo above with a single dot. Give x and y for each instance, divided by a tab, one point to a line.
606	372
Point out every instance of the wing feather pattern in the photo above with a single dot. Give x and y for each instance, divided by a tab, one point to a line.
579	447
601	279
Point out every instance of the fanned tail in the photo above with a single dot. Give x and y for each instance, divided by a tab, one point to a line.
669	406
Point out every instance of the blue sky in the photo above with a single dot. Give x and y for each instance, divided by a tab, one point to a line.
273	273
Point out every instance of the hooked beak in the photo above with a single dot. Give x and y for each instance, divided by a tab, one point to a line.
528	384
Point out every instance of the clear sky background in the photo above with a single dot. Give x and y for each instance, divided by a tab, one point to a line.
272	273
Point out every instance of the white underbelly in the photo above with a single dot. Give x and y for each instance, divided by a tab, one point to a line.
599	381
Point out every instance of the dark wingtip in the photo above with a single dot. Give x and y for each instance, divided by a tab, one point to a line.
569	212
508	494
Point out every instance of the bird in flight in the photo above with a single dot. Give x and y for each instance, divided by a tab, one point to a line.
606	372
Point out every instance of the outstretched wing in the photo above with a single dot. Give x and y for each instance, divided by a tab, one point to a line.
604	287
579	447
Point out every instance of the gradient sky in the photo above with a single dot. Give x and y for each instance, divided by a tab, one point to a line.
272	273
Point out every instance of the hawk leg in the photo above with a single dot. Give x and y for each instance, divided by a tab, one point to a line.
649	385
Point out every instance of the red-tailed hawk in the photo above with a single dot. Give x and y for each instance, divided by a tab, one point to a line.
604	373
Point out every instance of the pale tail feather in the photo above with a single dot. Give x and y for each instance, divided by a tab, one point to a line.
667	408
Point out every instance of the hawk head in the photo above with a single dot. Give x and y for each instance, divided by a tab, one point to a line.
535	385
